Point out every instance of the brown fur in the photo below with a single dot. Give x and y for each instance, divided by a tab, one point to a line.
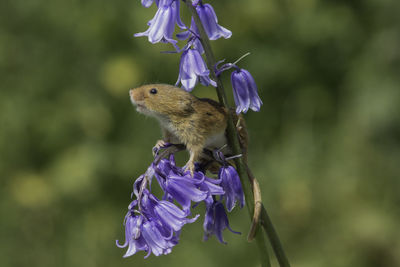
185	118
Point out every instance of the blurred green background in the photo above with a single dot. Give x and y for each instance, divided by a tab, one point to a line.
325	145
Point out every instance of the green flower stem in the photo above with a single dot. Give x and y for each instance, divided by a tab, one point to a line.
262	249
233	142
274	239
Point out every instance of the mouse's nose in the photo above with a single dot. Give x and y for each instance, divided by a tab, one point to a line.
136	95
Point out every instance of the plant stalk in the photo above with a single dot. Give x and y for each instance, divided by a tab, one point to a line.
233	142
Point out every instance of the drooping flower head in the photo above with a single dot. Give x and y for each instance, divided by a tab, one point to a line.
245	91
212	186
210	22
162	26
143	233
180	186
232	186
184	189
133	238
216	221
154	225
192	69
164	212
156	228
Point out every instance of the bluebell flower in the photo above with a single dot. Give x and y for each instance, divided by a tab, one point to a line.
184	189
168	166
204	186
232	186
162	170
142	234
133	238
166	213
148	3
212	186
216	221
192	68
157	239
210	22
162	26
154	225
156	229
169	214
245	91
178	184
165	168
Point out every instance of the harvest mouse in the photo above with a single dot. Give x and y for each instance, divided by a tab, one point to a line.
197	123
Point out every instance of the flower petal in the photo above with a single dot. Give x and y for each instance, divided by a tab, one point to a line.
241	91
210	22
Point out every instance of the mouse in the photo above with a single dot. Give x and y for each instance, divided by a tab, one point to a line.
198	123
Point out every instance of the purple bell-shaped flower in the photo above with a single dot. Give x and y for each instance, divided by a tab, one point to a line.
216	221
133	238
184	189
245	91
192	69
232	186
157	239
166	213
162	26
210	22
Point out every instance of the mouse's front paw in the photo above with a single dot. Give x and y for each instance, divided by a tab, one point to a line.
159	144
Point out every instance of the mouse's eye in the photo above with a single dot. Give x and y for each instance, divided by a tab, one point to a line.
153	91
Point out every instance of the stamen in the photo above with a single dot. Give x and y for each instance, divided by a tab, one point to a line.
234	157
224	146
242	57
